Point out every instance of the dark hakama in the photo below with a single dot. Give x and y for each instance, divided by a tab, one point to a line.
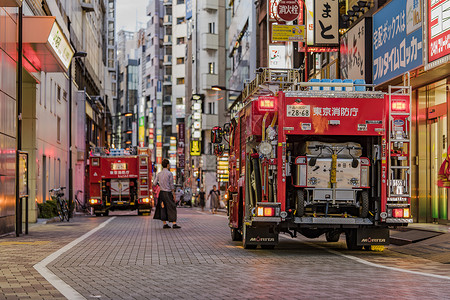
169	211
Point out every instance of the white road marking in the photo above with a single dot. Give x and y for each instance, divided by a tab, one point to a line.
365	262
58	283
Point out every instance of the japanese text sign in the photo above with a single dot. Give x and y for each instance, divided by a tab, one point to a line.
326	22
288	33
395	51
353	52
438	29
288	10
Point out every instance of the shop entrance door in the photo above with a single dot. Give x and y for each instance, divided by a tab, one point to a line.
438	144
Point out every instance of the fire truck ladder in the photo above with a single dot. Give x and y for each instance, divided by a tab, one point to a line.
267	82
399	148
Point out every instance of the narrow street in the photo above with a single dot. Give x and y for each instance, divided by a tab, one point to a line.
133	257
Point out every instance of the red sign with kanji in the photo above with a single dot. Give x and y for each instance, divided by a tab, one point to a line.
288	10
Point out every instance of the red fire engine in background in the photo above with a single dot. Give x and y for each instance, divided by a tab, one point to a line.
317	159
119	180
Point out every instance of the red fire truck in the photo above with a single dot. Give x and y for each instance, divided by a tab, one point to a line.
317	159
119	180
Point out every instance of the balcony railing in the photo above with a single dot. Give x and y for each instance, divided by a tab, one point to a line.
167	2
167	40
167	60
167	101
167	20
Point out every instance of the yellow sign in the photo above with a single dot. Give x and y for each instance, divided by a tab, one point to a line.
288	33
195	148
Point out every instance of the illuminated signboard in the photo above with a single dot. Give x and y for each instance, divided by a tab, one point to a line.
60	45
119	166
438	28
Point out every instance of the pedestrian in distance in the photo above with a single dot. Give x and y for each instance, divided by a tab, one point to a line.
201	198
166	209
214	194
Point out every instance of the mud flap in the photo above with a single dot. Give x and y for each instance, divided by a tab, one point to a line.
261	235
372	236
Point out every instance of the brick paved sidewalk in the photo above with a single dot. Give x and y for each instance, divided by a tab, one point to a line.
18	255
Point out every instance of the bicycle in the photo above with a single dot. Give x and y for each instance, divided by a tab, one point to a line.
81	207
61	204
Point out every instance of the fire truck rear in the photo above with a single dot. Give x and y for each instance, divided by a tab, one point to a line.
120	181
319	160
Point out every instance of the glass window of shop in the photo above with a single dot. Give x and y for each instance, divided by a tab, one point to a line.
432	144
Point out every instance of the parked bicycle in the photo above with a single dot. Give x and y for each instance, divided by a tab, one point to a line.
61	204
81	207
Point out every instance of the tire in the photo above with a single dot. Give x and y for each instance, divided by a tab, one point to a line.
140	213
351	240
300	203
244	244
66	211
106	213
59	211
236	235
98	214
332	236
364	204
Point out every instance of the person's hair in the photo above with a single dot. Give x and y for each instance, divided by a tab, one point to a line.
165	163
214	186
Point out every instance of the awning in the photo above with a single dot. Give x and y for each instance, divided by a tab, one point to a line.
45	47
10	3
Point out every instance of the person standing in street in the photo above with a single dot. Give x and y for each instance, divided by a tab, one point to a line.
166	209
214	194
201	198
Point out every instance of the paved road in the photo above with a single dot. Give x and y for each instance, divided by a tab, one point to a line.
132	257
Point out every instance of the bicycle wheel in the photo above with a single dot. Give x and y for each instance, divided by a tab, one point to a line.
59	210
65	210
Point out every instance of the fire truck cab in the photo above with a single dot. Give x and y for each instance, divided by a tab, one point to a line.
319	159
119	180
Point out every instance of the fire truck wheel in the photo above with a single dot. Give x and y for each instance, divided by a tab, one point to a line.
300	203
244	244
333	236
236	234
351	240
98	214
106	213
363	204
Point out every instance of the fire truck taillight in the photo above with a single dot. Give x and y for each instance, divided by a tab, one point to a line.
397	213
398	105
146	200
95	201
265	211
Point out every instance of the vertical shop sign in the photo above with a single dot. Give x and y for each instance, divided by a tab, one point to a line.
438	29
188	9
326	22
141	131
353	52
181	146
309	22
394	50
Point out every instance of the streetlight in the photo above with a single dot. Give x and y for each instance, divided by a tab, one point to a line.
77	54
222	88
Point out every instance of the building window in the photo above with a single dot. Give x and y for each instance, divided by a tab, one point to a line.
211	68
212	108
179	101
180	60
64	95
180	41
58	93
180	80
180	20
212	27
58	129
180	1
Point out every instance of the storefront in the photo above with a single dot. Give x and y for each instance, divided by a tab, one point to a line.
431	133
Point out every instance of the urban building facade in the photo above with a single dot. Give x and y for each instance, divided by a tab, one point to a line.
56	38
205	107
